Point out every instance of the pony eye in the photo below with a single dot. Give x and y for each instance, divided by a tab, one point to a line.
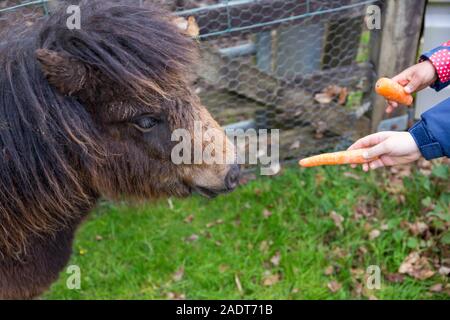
145	123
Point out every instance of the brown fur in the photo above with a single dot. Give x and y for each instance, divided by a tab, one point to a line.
72	104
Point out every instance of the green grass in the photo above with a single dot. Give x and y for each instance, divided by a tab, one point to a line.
133	252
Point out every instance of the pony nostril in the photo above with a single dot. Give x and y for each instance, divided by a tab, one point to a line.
232	177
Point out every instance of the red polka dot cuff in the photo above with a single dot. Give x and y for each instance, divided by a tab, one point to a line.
440	58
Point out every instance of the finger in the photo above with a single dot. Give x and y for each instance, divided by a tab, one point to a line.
393	104
376	164
376	151
370	140
387	161
389	109
403	77
365	167
413	85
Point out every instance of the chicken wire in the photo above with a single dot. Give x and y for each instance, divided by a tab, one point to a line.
300	66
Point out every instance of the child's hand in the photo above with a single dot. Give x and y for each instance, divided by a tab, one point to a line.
391	148
414	78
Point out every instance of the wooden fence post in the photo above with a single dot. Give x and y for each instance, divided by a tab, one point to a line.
394	48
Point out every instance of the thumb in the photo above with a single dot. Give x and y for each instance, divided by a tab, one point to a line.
413	84
375	151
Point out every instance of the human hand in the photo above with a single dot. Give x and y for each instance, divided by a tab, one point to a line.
389	147
415	78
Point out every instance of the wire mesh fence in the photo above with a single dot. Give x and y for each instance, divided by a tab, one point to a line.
300	66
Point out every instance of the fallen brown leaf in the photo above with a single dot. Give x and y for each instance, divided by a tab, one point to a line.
295	145
418	228
438	287
214	223
394	277
178	275
334	286
323	98
329	270
343	96
271	279
266	213
192	238
352	175
416	266
189	218
375	233
264	246
337	219
176	296
223	268
275	260
445	271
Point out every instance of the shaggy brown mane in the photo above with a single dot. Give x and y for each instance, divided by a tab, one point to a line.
50	150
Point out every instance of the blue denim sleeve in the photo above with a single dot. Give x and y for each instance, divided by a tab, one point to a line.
432	133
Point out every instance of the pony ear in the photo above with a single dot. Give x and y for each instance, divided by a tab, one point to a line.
63	71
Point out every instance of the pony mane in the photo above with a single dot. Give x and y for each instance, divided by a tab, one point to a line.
50	149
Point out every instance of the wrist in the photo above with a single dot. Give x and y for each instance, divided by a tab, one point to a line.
412	145
431	71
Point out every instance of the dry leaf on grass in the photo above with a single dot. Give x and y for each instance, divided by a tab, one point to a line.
417	228
170	203
275	260
223	268
266	213
394	277
445	271
214	223
352	175
189	218
178	275
438	287
329	270
337	219
271	279
375	233
334	286
416	266
176	296
192	238
237	281
264	246
365	209
425	166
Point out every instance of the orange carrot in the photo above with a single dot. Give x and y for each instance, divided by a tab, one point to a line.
334	158
394	91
